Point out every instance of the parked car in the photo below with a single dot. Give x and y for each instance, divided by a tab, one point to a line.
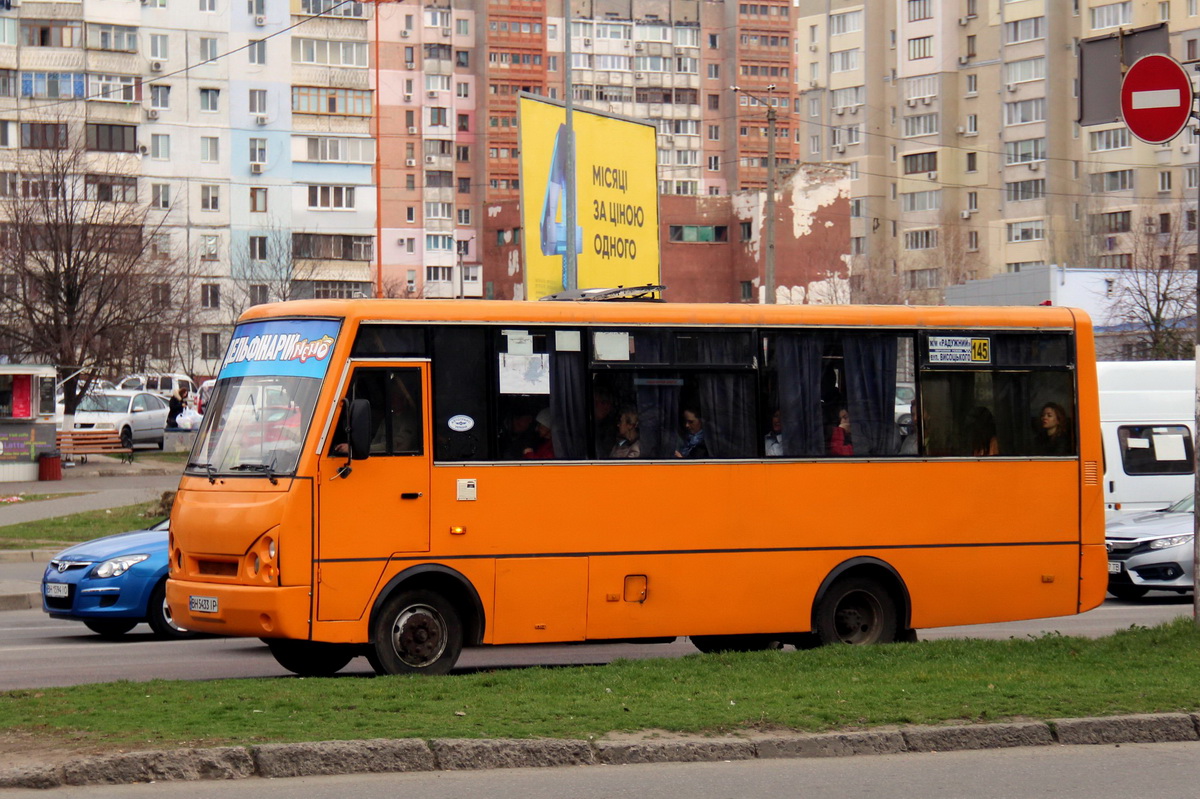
161	384
906	393
1151	550
139	416
204	395
112	584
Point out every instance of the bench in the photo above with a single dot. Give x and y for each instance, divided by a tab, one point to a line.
92	442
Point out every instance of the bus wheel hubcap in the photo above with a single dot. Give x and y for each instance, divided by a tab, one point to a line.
858	618
419	635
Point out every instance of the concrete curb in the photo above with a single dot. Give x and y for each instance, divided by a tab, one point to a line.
20	601
382	755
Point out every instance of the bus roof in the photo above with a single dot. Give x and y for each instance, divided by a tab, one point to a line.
684	314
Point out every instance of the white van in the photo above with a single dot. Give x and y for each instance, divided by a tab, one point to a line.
1147	416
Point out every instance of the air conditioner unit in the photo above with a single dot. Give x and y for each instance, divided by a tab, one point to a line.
404	34
410	162
812	84
256	168
961	130
911	102
411	129
156	66
1012	87
261	119
446	31
666	139
640	46
408	98
812	48
625	44
431	159
587	42
151	113
432	95
964	214
962	21
639	75
926	100
1185	149
963	60
409	65
260	20
931	175
1035	166
839	111
841	148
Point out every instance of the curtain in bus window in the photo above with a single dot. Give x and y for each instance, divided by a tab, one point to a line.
1016	416
568	405
871	389
726	399
460	393
658	414
798	363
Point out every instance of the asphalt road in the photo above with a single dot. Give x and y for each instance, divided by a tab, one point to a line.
1063	772
39	652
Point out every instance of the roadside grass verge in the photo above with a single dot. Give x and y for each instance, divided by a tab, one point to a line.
78	526
1139	670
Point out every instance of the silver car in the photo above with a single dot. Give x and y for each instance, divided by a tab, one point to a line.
1151	550
138	416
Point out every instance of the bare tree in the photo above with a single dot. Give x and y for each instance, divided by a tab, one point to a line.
874	279
265	269
1154	293
81	288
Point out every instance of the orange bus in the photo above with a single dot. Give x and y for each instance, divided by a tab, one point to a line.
403	479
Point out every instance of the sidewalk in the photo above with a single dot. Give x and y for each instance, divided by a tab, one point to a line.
103	482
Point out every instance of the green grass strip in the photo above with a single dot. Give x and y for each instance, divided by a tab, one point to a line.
77	526
1139	670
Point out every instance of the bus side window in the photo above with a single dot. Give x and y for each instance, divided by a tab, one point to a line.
395	398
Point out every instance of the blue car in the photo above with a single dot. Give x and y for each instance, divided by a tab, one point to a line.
113	583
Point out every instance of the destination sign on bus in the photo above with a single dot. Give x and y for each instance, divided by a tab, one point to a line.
295	347
959	349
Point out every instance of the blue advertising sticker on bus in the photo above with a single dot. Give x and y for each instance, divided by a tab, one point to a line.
291	347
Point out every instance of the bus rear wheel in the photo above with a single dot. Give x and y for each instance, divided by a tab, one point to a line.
310	658
856	610
415	632
735	643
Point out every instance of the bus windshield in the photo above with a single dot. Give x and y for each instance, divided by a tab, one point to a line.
255	424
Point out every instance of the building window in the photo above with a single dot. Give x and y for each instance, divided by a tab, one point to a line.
160	146
335	290
1164	181
327	198
258	199
258	248
1112	15
920	239
160	195
258	150
919	10
111	138
210	198
209	245
259	294
210	296
210	99
160	46
208	49
920	162
210	346
210	149
1022	190
1032	230
43	136
160	97
920	47
325	100
256	52
258	101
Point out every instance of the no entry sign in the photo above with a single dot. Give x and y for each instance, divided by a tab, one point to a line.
1156	99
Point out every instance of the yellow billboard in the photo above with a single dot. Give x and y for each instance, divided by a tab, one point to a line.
616	197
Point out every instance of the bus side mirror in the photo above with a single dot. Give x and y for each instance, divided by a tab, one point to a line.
360	429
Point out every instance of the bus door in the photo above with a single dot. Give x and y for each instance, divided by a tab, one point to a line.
380	507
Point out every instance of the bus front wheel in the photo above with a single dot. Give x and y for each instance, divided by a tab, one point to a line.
856	610
416	632
310	658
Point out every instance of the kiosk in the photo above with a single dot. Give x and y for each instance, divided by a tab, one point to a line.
27	419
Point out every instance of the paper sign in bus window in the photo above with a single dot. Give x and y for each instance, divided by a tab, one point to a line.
1169	448
520	342
612	346
960	349
524	374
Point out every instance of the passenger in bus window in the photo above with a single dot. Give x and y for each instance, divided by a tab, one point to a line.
841	442
518	435
773	441
1054	434
605	420
629	444
981	432
912	443
692	445
544	450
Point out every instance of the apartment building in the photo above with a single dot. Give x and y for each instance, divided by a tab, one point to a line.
956	122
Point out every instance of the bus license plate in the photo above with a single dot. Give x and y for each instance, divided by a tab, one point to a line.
57	590
202	604
1114	567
